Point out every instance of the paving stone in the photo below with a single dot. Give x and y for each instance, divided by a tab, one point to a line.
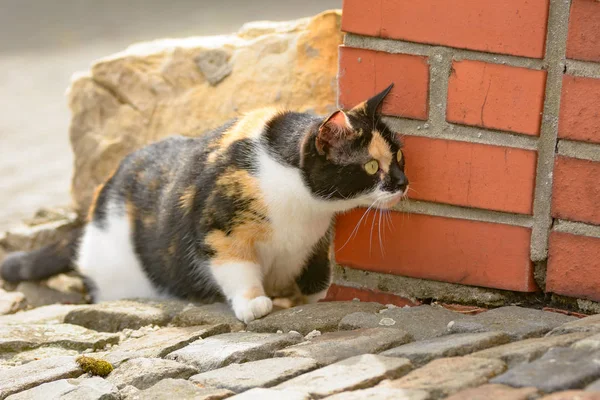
211	314
54	314
587	324
238	347
529	349
145	372
558	369
11	302
446	376
518	322
18	379
262	373
72	389
175	389
271	394
38	294
495	392
589	343
323	317
15	338
459	344
381	393
357	372
594	386
114	316
572	395
40	353
335	346
422	322
159	343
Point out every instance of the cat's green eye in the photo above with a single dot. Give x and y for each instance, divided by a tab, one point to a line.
372	167
399	156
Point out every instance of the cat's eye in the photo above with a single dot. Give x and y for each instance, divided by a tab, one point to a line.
399	156
372	167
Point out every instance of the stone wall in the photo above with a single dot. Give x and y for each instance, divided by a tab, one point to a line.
499	110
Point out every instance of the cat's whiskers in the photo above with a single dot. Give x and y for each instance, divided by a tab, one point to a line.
355	230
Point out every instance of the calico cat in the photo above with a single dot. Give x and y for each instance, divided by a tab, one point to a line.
241	213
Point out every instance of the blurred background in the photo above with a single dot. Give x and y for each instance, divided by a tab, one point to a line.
42	43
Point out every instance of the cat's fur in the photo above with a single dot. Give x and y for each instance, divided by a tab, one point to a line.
242	212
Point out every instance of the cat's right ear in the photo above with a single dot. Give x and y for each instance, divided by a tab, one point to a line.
333	132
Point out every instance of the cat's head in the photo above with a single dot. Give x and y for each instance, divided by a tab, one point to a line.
358	157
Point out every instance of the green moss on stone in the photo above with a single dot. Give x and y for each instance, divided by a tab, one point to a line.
94	366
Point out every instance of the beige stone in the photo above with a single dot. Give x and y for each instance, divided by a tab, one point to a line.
188	86
446	376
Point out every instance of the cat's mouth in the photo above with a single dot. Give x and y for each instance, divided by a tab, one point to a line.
392	199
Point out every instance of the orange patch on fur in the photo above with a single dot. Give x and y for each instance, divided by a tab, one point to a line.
380	150
249	127
254	292
186	200
249	228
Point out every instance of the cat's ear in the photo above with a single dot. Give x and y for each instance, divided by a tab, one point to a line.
333	132
370	106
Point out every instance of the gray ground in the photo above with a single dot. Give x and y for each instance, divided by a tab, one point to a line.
42	43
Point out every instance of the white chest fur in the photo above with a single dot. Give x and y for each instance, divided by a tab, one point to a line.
298	221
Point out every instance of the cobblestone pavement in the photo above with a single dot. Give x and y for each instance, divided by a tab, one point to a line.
339	351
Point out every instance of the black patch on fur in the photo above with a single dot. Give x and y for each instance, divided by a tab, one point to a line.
316	275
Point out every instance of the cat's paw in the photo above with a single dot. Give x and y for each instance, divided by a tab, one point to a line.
248	310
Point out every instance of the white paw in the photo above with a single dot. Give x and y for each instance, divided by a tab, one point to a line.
249	310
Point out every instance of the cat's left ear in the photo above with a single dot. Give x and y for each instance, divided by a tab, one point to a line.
370	106
333	132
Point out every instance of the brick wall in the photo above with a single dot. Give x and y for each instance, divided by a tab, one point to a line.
499	107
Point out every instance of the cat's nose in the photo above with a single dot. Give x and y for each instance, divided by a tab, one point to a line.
401	182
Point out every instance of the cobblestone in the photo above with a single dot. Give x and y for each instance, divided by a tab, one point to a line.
422	322
460	344
588	324
381	393
263	373
335	346
72	389
271	394
158	353
222	350
175	389
529	349
519	323
35	373
211	314
446	376
323	317
142	373
558	369
353	373
160	343
125	314
572	395
15	338
54	314
495	392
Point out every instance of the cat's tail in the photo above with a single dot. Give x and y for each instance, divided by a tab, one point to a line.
41	263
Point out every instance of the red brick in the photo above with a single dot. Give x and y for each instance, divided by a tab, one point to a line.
496	96
583	42
564	312
510	27
580	109
436	248
470	174
345	293
364	73
573	265
576	190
